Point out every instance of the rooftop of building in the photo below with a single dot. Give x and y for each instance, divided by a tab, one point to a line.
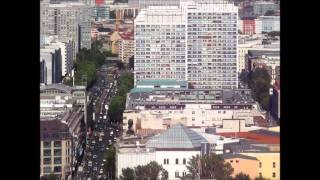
257	136
161	82
53	130
180	97
176	137
62	87
248	146
240	156
260	53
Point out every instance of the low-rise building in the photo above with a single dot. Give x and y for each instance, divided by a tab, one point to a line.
268	156
172	149
243	164
149	108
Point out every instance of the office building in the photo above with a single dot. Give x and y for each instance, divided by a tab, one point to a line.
85	26
156	107
64	19
43	72
67	58
52	59
196	42
261	7
55	149
270	23
142	4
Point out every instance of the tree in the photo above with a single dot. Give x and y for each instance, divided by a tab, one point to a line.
50	177
127	174
210	166
260	85
110	167
261	178
242	176
151	171
244	77
131	62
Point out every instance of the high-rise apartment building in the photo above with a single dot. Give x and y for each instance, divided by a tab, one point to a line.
64	19
160	44
146	3
196	42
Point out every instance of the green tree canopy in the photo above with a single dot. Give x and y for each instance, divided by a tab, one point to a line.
242	176
210	166
151	171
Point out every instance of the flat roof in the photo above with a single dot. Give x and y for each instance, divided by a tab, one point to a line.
161	82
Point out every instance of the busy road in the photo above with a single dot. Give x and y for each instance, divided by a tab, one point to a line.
103	132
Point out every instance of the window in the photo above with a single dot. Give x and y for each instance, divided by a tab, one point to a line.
57	160
176	174
47	169
184	161
177	161
193	119
273	174
260	174
46	144
260	165
184	173
167	161
57	169
274	165
193	112
237	161
57	143
57	152
47	152
164	161
231	161
46	160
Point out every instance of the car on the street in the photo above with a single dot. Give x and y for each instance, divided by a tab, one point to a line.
94	156
90	163
95	168
104	160
101	171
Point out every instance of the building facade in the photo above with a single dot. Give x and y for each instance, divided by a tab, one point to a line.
245	164
261	7
161	108
53	67
196	42
125	49
55	149
270	23
64	19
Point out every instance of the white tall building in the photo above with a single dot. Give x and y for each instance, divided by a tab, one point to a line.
67	57
196	42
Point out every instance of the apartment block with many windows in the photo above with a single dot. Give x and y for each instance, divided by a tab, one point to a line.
196	42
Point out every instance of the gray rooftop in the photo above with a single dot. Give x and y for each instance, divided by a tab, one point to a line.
60	86
177	137
241	156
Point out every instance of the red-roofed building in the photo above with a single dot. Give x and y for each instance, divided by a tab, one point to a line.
263	138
